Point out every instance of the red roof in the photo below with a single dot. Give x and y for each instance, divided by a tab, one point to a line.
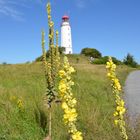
65	17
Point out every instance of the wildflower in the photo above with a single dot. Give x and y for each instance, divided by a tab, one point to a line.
77	136
68	102
115	114
116	122
62	73
57	58
20	103
71	70
52	65
51	24
57	32
64	105
120	108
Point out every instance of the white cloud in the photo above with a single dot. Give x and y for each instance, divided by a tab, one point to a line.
80	3
83	3
8	8
11	8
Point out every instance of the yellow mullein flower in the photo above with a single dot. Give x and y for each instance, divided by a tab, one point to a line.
48	8
68	102
57	53
62	73
120	108
77	136
57	32
72	102
62	87
20	103
115	113
64	105
116	122
71	70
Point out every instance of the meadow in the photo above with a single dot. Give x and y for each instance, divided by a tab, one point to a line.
24	116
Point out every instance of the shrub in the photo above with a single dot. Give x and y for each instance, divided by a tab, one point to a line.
104	59
40	58
91	52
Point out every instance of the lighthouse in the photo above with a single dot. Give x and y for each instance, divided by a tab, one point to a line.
66	40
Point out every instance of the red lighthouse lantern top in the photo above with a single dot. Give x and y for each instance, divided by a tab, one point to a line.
65	18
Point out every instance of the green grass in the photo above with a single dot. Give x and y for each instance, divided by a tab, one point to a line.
26	82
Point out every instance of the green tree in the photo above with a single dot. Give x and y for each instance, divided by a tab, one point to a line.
130	61
91	52
61	50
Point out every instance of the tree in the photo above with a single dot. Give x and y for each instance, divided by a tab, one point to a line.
91	52
61	50
130	61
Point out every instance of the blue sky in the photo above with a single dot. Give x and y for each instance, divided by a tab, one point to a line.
111	26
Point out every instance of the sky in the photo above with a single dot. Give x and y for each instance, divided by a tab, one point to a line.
110	26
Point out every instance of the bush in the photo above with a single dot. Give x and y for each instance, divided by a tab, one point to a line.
61	51
91	52
104	60
130	61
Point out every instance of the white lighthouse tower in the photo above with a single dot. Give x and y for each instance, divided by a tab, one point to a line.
66	40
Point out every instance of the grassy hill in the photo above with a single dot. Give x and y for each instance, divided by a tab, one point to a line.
23	115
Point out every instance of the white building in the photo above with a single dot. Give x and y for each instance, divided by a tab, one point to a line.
66	40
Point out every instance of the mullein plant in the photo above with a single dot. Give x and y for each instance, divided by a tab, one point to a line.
68	102
51	66
120	105
57	54
53	73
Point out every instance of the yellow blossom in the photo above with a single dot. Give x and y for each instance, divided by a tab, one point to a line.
20	103
120	108
72	102
71	70
116	122
68	102
62	73
57	32
62	88
77	136
64	105
115	113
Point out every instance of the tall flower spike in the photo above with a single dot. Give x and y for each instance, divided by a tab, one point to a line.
51	60
51	43
68	101
44	53
57	53
120	108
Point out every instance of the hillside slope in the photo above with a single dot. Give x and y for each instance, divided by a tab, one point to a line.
24	117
